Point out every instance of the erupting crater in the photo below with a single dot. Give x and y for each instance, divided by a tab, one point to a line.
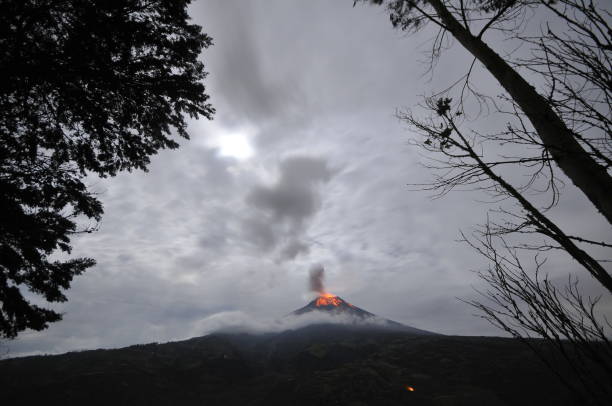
327	299
329	303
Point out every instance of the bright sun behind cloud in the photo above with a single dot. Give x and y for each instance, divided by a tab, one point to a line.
236	145
234	142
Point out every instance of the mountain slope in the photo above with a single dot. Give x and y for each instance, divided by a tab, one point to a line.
332	364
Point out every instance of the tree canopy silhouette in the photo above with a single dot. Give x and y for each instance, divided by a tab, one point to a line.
87	88
468	21
553	59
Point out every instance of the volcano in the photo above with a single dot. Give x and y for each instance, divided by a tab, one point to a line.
336	310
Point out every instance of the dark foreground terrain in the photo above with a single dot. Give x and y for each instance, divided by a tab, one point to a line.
316	365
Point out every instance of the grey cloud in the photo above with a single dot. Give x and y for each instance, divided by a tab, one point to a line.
286	202
238	65
260	232
293	249
283	209
294	198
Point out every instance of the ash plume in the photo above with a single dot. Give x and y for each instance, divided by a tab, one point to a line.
317	273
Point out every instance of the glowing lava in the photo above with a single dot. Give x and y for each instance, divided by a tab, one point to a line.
327	299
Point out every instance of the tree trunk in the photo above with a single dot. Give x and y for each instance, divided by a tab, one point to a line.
590	177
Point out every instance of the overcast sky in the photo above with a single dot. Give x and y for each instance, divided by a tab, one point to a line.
303	164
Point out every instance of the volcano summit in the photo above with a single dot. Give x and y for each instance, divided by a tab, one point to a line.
326	302
340	311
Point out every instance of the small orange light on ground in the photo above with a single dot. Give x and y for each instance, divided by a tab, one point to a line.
409	388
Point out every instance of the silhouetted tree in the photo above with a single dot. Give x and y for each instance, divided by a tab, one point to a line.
527	303
564	124
87	87
522	304
468	20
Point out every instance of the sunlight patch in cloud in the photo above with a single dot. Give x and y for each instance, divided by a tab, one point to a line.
235	145
232	142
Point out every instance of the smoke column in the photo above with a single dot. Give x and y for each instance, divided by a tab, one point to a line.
317	273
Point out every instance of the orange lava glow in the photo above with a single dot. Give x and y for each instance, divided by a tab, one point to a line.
327	299
409	388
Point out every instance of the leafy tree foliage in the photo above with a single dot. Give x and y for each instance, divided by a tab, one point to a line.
87	88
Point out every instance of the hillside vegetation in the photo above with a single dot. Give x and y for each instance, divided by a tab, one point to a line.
317	365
